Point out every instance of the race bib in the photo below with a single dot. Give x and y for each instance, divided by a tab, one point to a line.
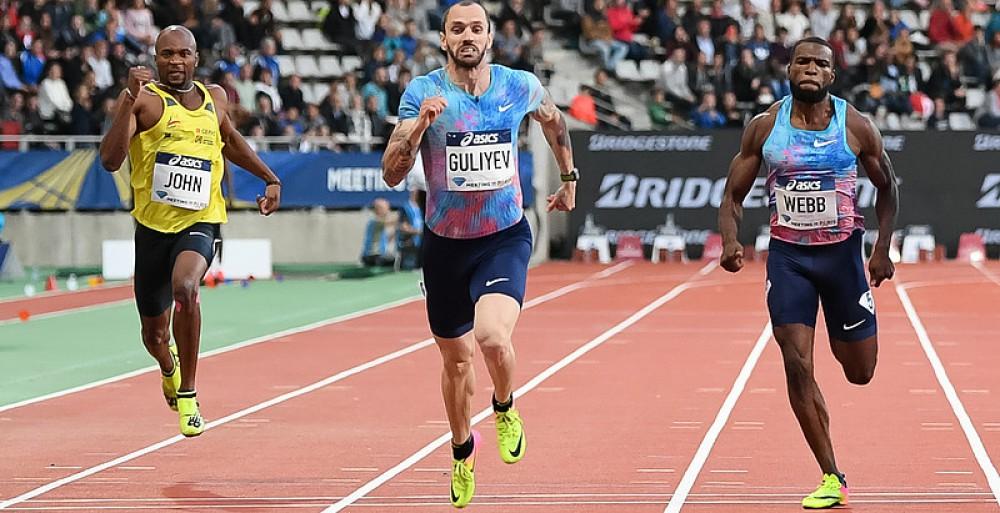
182	181
806	204
479	161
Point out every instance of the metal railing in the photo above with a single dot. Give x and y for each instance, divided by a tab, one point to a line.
297	144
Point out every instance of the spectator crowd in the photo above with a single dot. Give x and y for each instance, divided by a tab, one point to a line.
717	62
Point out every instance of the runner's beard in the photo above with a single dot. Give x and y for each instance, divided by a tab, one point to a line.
467	62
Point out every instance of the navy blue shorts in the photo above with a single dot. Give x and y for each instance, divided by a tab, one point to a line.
155	254
457	272
799	276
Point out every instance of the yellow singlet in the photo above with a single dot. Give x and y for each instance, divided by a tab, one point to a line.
177	167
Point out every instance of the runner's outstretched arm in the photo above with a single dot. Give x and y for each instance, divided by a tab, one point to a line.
742	173
555	131
114	145
557	134
879	169
405	140
237	151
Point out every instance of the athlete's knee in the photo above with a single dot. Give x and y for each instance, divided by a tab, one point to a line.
494	342
860	375
798	368
155	335
186	292
458	366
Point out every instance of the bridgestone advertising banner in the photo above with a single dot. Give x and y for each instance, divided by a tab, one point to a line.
631	181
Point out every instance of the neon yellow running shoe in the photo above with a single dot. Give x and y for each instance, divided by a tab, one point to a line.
510	436
832	492
463	478
172	382
191	422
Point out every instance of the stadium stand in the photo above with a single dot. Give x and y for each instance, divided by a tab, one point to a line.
909	64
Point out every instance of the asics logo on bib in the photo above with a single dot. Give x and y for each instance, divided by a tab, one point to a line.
804	185
180	160
806	204
479	160
182	181
474	138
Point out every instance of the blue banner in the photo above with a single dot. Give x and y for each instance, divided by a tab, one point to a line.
340	180
61	180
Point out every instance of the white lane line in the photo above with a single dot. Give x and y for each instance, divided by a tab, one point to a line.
66	311
527	387
691	474
279	399
55	293
986	272
238	345
975	443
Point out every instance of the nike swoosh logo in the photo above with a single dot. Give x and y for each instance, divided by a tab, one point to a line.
505	108
817	144
454	498
490	283
517	450
199	233
855	325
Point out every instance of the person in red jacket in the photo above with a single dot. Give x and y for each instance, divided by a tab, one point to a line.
941	29
624	24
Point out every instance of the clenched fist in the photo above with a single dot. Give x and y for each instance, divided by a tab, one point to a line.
138	76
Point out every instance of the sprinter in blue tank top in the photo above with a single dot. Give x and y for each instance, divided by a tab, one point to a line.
810	145
464	119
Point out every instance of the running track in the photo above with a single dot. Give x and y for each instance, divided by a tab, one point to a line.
668	408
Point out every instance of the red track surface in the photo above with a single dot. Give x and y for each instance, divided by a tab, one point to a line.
613	431
896	439
47	303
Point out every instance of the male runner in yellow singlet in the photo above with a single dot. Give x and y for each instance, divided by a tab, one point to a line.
176	132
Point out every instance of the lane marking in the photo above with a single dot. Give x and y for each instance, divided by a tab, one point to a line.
285	397
975	442
221	350
705	448
527	387
67	311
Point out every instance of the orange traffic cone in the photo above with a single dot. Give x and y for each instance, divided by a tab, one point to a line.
50	283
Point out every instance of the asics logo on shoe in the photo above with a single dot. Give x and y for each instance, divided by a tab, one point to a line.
195	421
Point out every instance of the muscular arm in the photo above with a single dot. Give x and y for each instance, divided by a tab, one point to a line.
555	131
879	169
236	149
742	173
114	145
402	150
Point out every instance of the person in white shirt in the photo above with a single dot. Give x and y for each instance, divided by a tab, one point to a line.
53	95
366	13
138	22
794	21
824	19
98	61
675	80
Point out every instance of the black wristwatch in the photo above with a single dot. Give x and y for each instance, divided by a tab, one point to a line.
572	176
